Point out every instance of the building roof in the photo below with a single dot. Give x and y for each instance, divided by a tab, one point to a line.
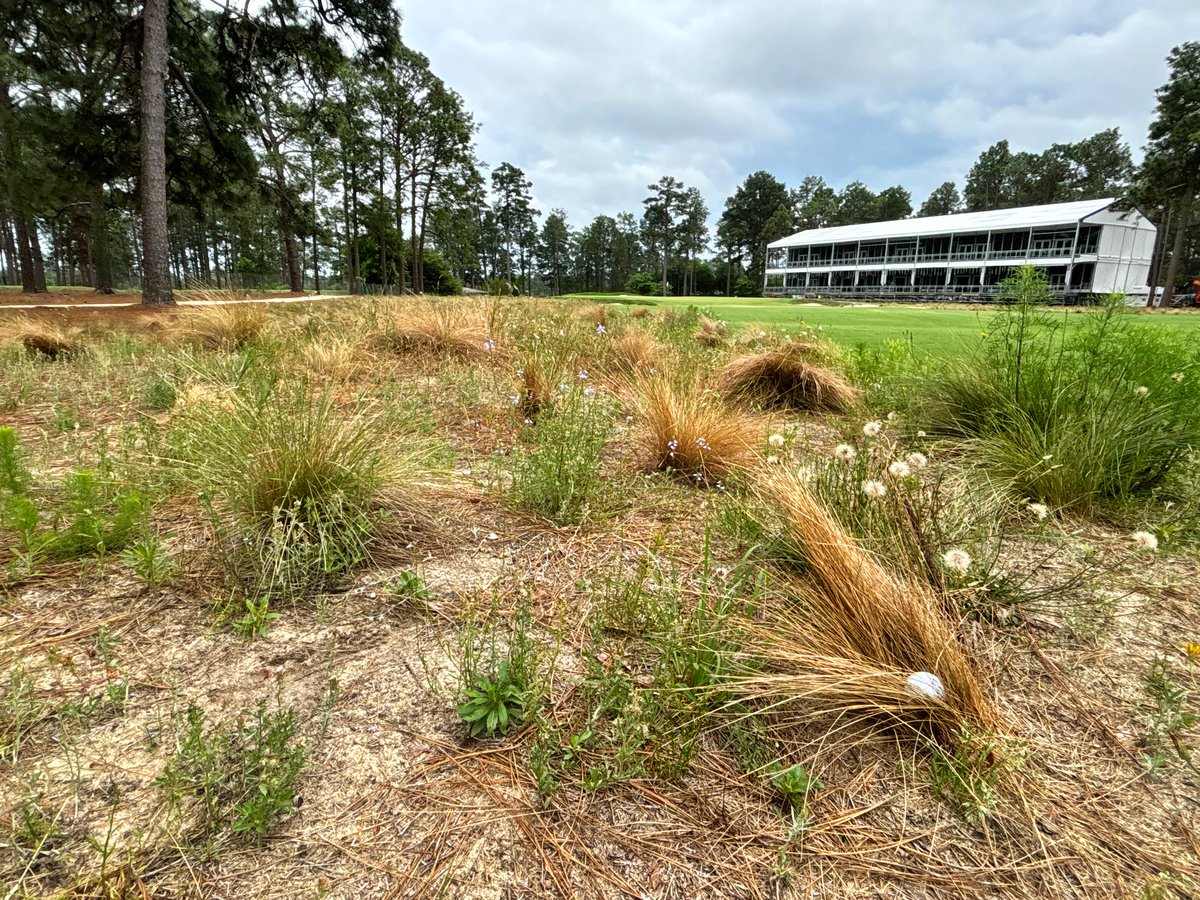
991	220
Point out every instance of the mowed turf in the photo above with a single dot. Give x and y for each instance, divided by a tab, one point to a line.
932	330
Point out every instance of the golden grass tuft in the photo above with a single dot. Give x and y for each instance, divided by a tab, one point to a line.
711	332
639	312
854	632
598	314
46	339
440	329
787	377
635	351
335	358
232	322
688	430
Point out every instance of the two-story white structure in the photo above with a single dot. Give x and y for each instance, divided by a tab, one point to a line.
1086	247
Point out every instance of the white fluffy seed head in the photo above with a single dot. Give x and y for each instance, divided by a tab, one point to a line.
872	429
957	561
874	489
1144	540
776	440
916	460
844	452
899	469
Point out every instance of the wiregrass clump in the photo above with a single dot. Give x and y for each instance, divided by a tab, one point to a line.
1069	416
559	477
440	329
298	489
787	378
689	431
856	640
232	322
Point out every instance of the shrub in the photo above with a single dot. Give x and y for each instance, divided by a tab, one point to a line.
45	339
787	377
645	283
689	430
559	477
1069	416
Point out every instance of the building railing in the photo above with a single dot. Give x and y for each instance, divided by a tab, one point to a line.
955	256
948	291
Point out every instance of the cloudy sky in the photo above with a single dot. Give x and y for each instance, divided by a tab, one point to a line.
597	100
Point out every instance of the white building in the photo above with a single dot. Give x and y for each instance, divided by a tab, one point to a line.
1086	247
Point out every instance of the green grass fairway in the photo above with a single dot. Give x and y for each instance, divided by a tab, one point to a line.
937	331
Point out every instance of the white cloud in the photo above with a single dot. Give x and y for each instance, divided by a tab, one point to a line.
595	101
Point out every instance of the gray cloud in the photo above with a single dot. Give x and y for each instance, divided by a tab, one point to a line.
595	101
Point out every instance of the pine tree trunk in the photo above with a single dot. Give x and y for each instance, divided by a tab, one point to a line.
10	249
101	255
39	263
1183	217
292	255
156	248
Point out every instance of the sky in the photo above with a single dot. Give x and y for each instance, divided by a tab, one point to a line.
597	100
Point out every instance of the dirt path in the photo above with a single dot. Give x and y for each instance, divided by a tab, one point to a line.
306	299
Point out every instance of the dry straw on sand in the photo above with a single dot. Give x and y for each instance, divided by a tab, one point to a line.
787	377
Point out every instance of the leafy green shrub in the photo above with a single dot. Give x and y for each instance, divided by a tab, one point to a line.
91	515
1069	416
744	287
498	688
645	283
235	778
559	477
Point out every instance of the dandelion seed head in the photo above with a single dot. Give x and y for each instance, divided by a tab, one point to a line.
844	452
916	460
957	561
920	434
772	460
1141	390
899	469
876	490
1041	510
872	429
776	440
1144	540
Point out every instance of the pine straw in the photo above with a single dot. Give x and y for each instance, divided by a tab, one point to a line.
44	338
439	328
788	378
688	430
853	632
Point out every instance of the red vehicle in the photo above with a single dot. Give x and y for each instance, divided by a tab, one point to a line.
1189	296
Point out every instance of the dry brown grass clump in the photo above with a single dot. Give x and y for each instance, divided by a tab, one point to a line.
598	314
440	329
45	338
855	634
689	430
639	312
787	377
232	322
635	351
711	332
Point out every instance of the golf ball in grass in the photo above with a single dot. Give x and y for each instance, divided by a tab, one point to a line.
925	685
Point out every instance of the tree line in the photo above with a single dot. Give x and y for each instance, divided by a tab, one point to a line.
301	143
